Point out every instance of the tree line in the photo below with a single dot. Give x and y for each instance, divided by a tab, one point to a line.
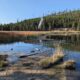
60	20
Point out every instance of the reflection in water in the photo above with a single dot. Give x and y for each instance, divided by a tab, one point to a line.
20	45
8	38
70	42
20	48
67	38
73	55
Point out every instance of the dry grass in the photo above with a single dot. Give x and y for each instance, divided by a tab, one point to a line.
24	33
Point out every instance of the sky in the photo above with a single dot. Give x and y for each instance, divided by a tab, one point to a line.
13	10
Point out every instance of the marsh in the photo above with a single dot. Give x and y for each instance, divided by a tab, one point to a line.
19	46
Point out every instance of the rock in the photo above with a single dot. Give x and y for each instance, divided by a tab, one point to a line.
23	56
11	49
37	49
32	51
3	64
3	57
3	61
27	63
2	69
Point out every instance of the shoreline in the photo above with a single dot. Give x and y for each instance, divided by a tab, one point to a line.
27	69
32	33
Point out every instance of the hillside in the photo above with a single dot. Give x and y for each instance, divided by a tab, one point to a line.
69	20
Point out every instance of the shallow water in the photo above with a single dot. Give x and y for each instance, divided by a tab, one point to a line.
18	48
21	45
73	55
14	50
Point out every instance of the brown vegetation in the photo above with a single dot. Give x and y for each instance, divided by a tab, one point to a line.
26	33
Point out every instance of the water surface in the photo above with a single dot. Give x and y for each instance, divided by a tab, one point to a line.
26	45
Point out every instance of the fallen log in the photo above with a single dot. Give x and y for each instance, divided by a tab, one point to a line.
70	64
51	61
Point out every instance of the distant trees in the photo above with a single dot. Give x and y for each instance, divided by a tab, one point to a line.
65	19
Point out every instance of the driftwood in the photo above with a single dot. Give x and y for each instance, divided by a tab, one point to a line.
70	64
51	61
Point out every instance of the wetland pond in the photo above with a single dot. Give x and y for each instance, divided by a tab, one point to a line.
16	46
